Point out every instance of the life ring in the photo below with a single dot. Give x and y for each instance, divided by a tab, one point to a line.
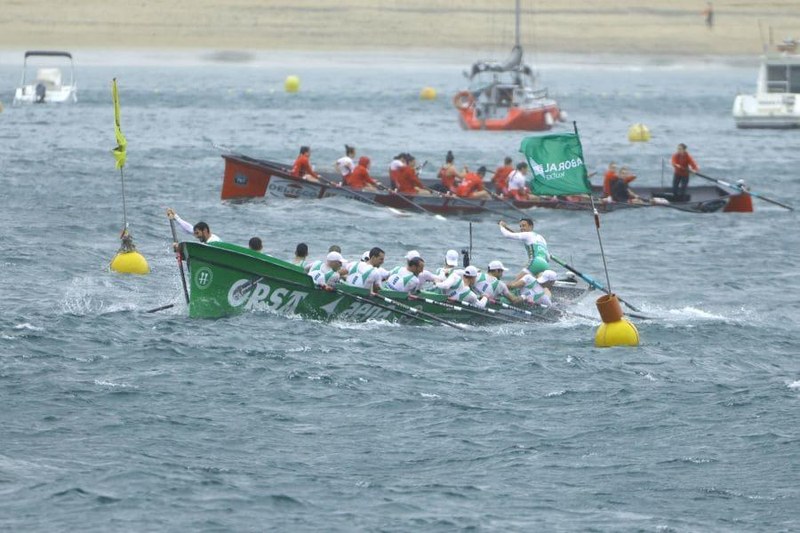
463	100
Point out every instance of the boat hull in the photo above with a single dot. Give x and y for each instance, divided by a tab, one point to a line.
226	279
246	177
517	118
769	110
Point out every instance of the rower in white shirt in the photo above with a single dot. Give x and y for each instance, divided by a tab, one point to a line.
345	165
536	290
407	279
489	283
450	263
199	230
327	274
458	286
368	272
518	183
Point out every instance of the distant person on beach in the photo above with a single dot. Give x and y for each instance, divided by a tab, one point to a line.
501	174
345	165
683	164
302	165
199	230
708	12
255	244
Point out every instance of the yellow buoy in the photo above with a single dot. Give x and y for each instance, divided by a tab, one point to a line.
638	133
615	329
427	93
292	84
130	263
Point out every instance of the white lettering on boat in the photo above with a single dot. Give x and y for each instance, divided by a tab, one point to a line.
261	296
365	311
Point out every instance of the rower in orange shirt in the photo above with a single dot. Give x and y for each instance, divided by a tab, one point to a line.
407	180
472	186
359	178
500	178
608	178
449	174
302	165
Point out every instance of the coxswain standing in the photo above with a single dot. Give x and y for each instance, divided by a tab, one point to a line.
517	183
327	274
472	186
360	178
683	164
458	287
345	165
368	273
302	165
535	246
536	290
449	174
490	284
199	230
500	178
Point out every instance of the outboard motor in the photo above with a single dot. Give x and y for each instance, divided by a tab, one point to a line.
41	92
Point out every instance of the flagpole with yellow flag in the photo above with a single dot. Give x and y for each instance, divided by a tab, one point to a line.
127	260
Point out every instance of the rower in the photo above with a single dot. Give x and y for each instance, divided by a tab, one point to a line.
301	255
359	178
368	273
472	186
517	183
458	286
395	167
302	166
536	290
450	262
500	178
490	284
327	274
449	174
407	180
608	178
535	245
255	244
345	165
407	278
199	230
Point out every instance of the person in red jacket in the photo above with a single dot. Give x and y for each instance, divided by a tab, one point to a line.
500	178
472	186
449	174
359	178
608	178
683	164
302	165
407	180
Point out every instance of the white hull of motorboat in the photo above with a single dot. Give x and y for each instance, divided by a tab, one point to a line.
769	110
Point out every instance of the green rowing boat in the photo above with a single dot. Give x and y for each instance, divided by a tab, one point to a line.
227	279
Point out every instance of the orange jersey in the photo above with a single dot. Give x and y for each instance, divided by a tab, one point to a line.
302	166
448	176
500	178
359	178
472	183
682	162
407	180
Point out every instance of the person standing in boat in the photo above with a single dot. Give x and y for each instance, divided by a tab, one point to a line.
328	273
472	186
359	178
199	230
345	165
302	165
449	174
535	246
491	285
684	164
517	183
500	178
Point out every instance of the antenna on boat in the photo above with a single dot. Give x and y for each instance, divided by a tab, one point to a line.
516	24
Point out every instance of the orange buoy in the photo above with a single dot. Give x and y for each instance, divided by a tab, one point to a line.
739	203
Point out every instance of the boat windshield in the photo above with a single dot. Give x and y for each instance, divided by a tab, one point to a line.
783	78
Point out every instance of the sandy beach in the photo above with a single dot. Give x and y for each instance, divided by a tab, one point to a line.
655	27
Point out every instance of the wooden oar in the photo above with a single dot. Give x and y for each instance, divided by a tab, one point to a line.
743	189
178	257
417	313
472	203
462	306
589	280
412	203
357	194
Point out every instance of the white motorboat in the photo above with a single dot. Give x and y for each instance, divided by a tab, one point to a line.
776	103
48	86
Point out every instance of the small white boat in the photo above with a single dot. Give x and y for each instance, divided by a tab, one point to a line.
776	103
48	86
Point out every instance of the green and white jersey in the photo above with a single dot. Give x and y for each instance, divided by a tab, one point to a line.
324	275
403	280
534	293
455	289
363	274
535	245
490	286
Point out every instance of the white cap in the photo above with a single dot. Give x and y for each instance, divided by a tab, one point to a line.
411	255
335	256
365	256
451	258
471	271
496	265
547	275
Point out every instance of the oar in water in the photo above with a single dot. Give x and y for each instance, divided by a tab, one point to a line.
743	189
412	203
417	313
359	195
462	306
178	257
156	309
589	280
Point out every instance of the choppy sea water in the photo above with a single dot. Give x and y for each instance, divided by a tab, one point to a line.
116	419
